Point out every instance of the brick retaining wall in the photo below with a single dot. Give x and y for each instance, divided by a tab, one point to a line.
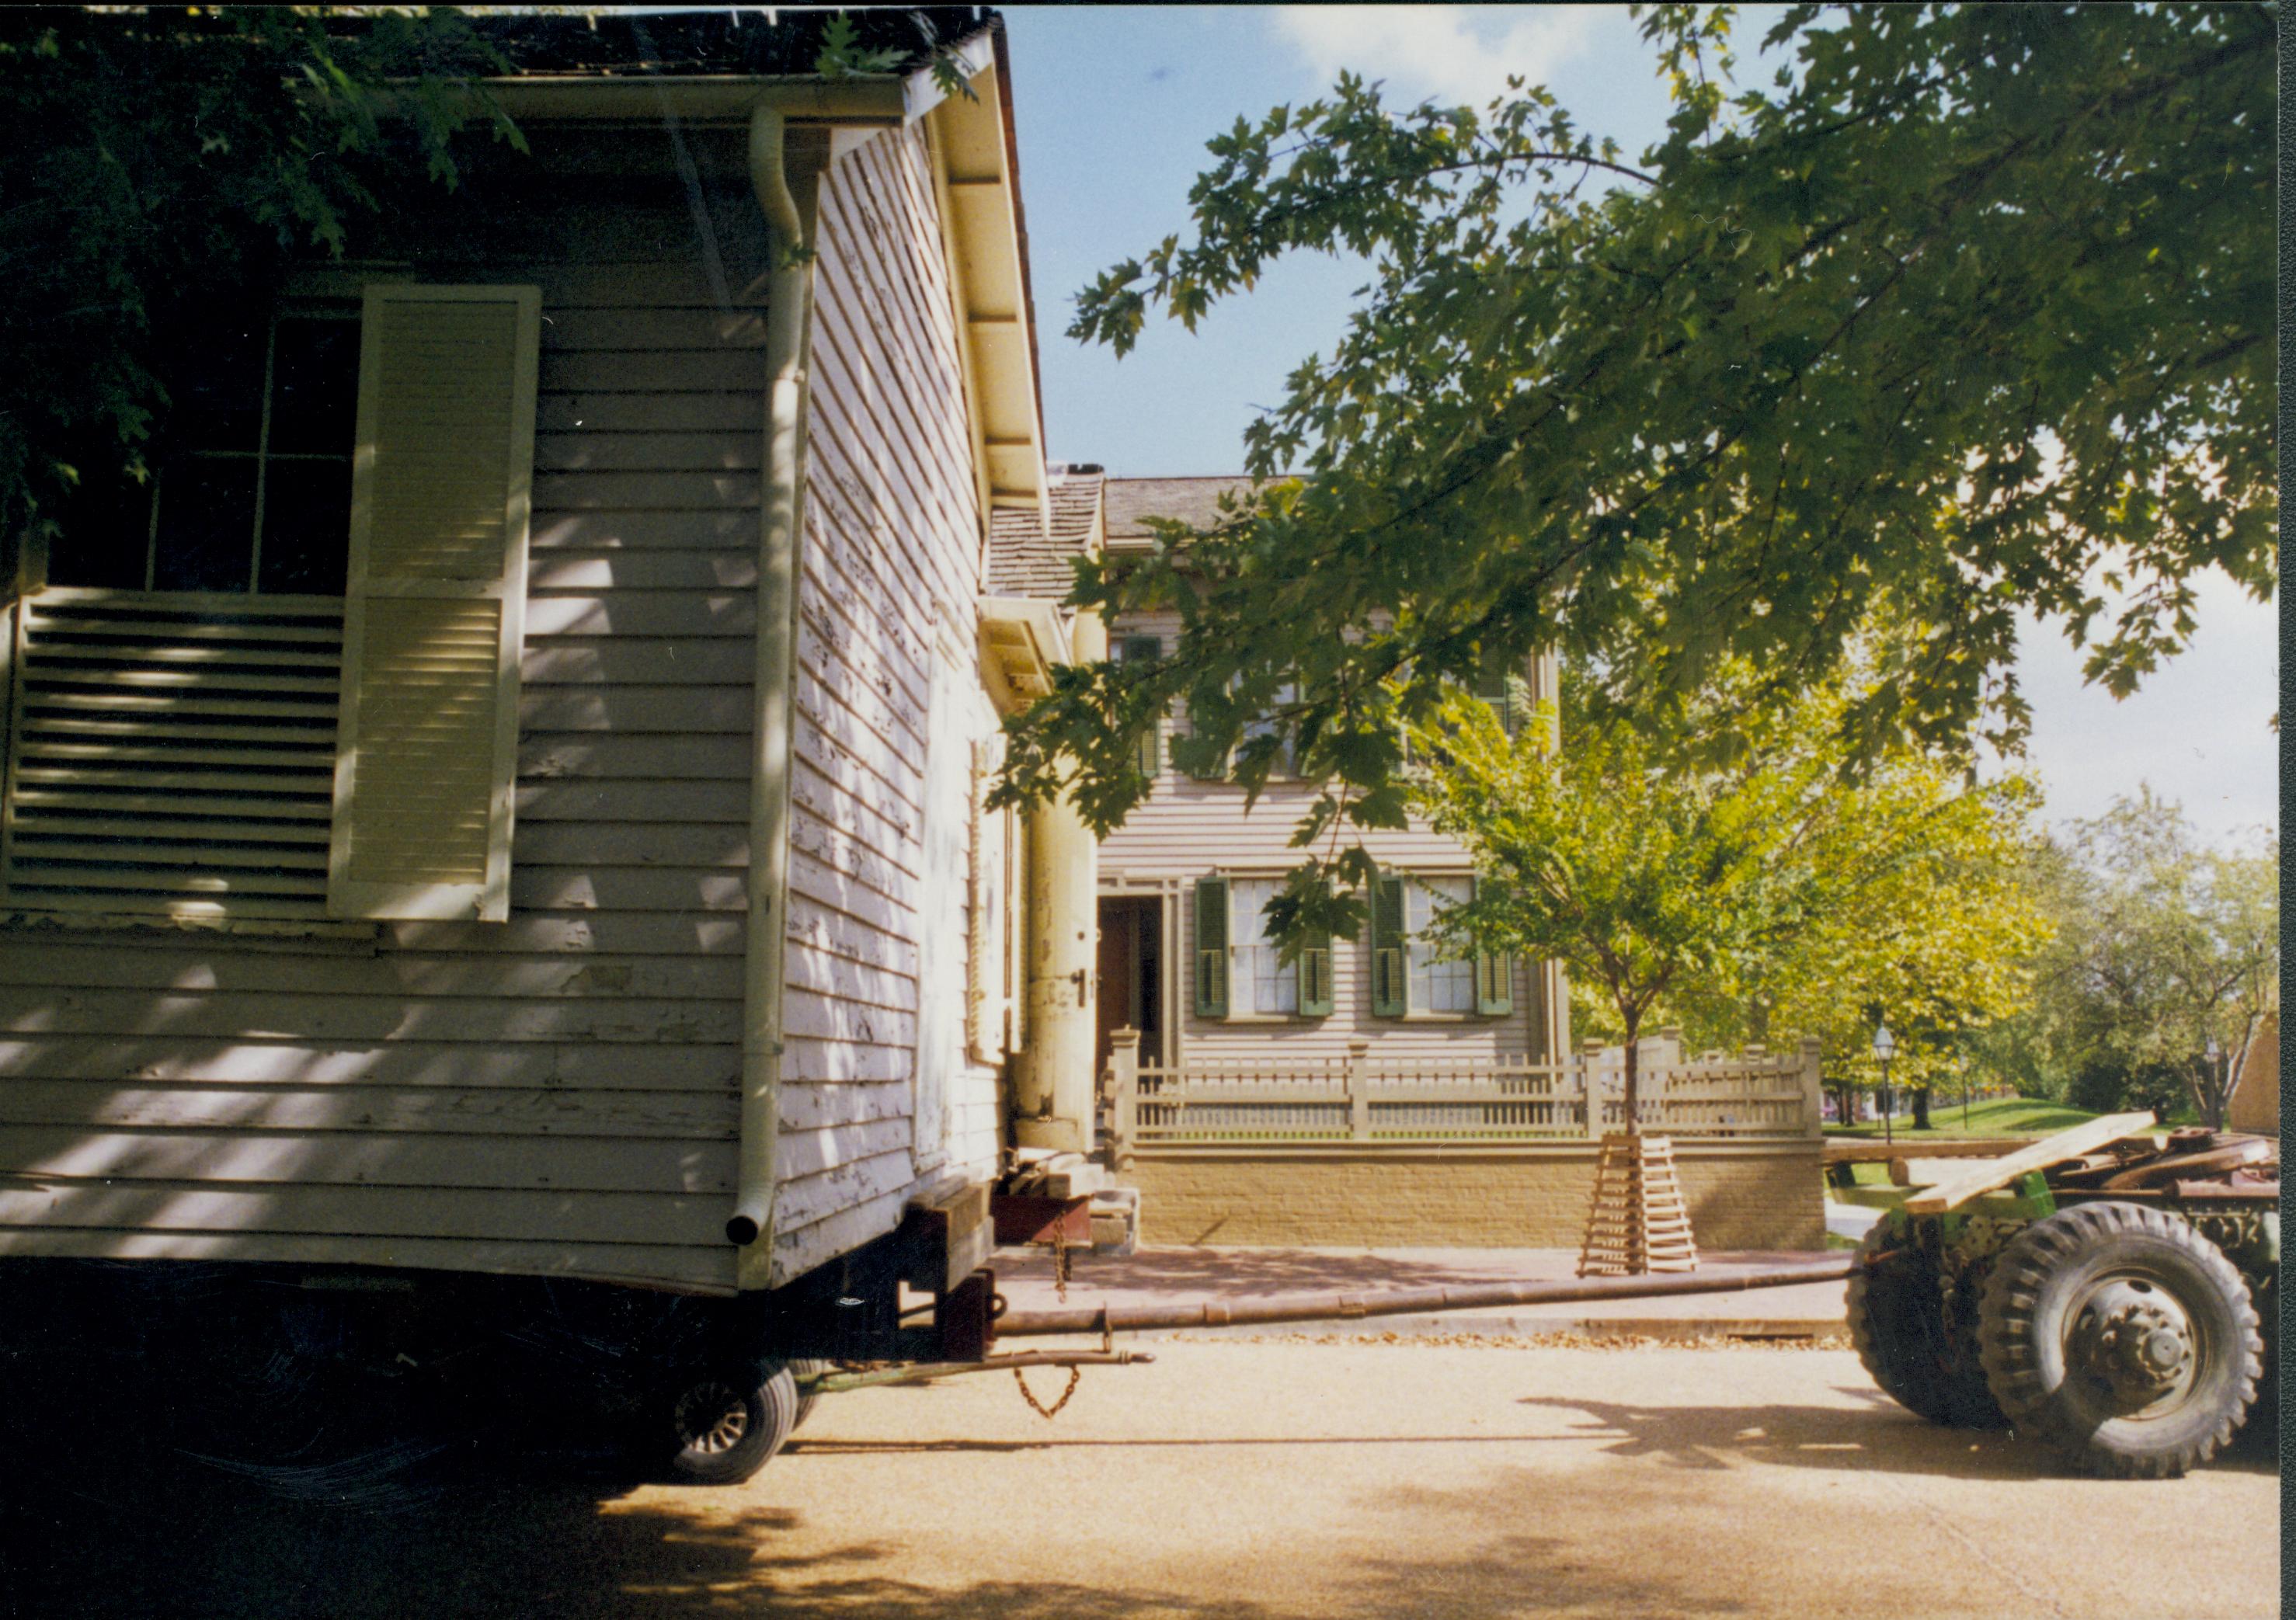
1742	1195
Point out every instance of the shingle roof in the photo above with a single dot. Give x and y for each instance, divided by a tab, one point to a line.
1194	502
1027	558
605	41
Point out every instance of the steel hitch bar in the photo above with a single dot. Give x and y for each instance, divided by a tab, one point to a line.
1105	1320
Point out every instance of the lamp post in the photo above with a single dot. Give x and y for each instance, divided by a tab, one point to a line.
2210	1053
1885	1047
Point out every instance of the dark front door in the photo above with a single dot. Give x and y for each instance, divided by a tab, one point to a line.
1131	939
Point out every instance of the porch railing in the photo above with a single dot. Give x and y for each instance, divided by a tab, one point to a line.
1354	1099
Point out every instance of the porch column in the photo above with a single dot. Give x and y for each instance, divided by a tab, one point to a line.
1052	1096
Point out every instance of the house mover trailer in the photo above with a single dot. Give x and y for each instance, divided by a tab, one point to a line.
494	866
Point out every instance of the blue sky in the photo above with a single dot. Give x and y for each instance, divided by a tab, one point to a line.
1113	105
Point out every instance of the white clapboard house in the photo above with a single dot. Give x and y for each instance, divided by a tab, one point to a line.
505	800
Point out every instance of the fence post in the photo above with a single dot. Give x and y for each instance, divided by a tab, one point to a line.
1813	1087
1358	1092
1124	1093
1591	1083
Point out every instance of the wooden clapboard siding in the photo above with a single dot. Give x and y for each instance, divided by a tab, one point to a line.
1187	829
892	553
556	1093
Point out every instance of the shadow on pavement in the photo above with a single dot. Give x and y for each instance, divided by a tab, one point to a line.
1881	1437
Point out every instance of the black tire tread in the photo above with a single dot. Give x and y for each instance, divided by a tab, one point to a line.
2009	1329
807	1400
774	1405
1891	1356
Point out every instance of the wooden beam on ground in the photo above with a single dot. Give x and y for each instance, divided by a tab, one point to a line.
2049	1151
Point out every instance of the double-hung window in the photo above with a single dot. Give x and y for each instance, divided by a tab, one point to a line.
1409	975
280	678
1240	971
1435	984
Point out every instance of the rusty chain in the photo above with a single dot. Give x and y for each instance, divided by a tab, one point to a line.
1019	1377
1061	1262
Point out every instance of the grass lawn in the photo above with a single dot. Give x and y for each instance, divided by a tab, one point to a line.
2004	1117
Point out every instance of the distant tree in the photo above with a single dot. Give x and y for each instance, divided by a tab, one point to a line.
2162	944
1775	890
165	162
1966	304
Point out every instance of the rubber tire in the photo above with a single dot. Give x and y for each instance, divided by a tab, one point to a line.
770	1411
2025	1316
1897	1324
806	1403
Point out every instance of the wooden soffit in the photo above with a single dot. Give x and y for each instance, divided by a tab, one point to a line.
981	221
1022	641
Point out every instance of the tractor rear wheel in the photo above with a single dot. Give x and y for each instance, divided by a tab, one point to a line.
2123	1338
1897	1322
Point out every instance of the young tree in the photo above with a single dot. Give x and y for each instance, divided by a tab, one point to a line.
1773	882
1967	302
2162	946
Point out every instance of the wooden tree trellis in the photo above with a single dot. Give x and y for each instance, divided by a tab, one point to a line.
1638	1221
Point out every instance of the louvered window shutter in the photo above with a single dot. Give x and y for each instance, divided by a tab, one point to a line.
434	615
1143	650
1494	982
1505	691
1315	998
1389	998
1211	948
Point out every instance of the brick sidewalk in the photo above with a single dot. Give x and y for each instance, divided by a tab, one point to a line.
1179	1276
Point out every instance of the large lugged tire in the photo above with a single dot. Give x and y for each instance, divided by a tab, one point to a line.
2121	1336
1897	1321
723	1430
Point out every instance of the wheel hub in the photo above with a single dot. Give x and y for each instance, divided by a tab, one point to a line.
712	1417
2136	1339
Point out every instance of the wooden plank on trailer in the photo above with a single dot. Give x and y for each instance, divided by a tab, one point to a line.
1983	1178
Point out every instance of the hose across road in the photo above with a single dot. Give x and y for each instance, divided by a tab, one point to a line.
1409	1302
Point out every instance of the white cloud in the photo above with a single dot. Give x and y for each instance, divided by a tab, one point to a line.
1449	53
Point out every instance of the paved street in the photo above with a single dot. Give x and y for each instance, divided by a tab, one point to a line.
1250	1480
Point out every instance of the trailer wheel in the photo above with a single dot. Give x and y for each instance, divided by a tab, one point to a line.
806	1399
2123	1338
1897	1322
725	1430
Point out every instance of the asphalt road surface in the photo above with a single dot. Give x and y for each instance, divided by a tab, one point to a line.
1247	1480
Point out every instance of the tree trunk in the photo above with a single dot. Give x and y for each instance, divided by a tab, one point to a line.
1633	1089
1922	1108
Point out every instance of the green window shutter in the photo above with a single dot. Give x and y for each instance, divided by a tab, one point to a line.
1147	757
1494	975
434	611
1505	691
1494	984
1211	948
1389	998
1315	968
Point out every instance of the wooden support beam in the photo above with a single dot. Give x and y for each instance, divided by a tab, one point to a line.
1983	1178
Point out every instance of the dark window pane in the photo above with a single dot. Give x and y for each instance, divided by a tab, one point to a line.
219	391
207	525
315	387
307	527
104	527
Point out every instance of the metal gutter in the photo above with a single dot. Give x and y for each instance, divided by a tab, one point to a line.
789	311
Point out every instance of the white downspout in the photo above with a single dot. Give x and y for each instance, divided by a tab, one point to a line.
788	324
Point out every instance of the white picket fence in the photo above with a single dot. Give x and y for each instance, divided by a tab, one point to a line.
1353	1100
